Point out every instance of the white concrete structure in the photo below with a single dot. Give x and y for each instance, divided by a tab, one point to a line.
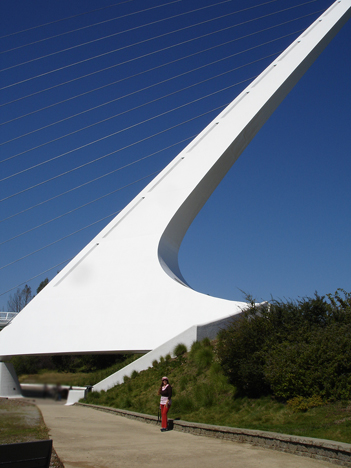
129	272
9	384
194	333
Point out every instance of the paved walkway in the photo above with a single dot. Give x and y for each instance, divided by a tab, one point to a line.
87	438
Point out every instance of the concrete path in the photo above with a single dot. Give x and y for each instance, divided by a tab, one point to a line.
87	438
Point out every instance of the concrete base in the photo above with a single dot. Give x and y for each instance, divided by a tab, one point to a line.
74	395
9	384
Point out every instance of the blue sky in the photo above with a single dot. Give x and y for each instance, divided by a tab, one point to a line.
278	225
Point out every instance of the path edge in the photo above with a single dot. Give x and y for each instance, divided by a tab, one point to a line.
338	453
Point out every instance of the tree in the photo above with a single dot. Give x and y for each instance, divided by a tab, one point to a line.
19	299
42	285
291	349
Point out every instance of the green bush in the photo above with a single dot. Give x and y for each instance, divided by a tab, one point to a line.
206	342
194	347
203	358
202	354
180	349
300	403
319	366
291	349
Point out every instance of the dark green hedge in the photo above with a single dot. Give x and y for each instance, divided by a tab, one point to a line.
291	348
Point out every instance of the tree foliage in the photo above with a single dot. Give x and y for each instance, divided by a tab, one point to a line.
42	285
65	363
290	349
19	299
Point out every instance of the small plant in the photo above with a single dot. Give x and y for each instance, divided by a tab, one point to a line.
183	382
180	349
168	357
154	363
195	347
203	357
206	342
134	374
300	403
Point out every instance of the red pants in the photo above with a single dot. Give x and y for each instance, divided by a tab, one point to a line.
164	411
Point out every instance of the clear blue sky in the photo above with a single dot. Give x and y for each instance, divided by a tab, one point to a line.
280	222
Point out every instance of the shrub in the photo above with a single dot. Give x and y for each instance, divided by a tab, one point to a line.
194	347
320	366
154	363
134	374
291	349
180	349
206	342
203	358
300	403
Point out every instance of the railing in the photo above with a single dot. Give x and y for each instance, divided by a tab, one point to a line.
6	317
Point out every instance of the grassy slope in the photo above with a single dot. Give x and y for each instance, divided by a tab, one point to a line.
201	393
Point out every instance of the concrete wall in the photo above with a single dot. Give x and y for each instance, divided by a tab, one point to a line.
333	452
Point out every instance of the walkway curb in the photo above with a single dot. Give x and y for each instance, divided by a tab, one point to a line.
337	453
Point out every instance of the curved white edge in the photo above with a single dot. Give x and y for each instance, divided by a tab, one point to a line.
124	291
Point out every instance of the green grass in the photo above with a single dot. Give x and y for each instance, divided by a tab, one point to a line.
202	394
80	379
21	421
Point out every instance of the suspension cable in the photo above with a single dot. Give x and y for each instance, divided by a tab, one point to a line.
153	38
136	58
125	147
64	19
153	85
82	28
76	209
121	131
145	71
98	178
36	276
141	105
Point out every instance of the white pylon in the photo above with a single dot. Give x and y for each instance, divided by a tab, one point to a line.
124	291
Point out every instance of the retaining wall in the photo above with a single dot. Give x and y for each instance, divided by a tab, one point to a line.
320	449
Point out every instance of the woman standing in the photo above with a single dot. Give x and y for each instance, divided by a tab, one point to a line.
165	391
